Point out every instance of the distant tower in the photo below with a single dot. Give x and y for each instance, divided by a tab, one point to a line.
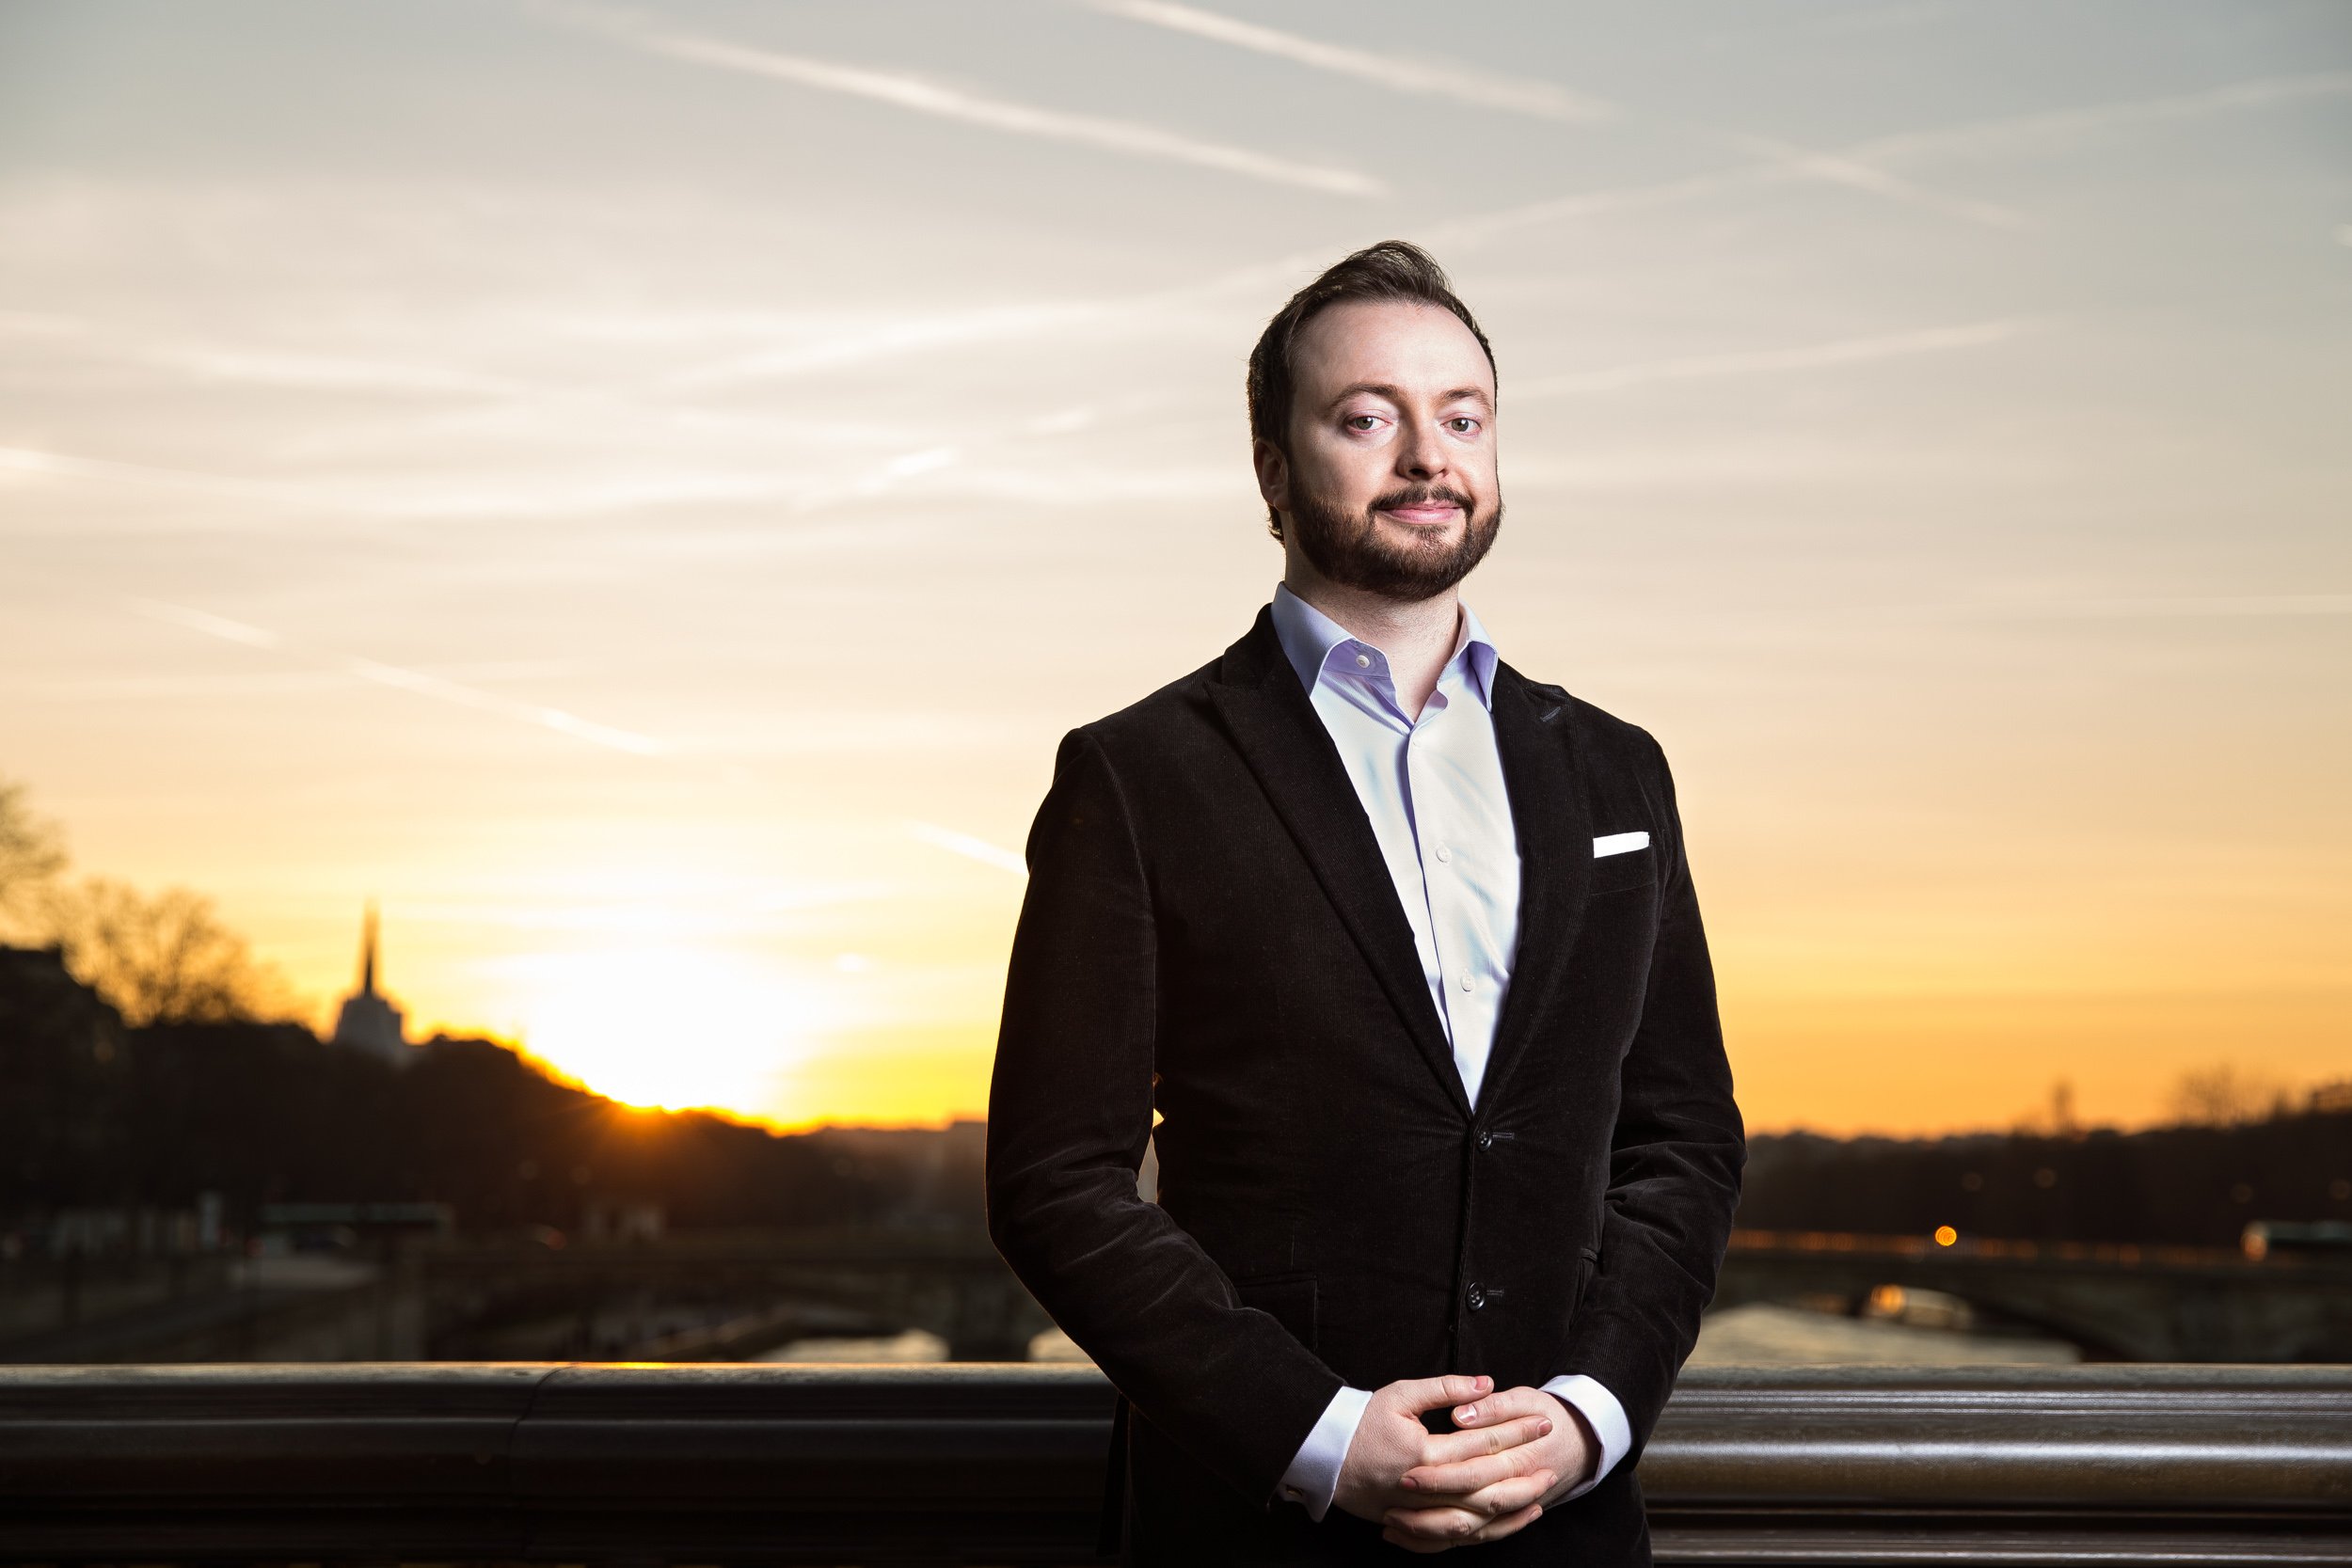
368	1022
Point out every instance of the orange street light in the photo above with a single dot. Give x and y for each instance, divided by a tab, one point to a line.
1945	1235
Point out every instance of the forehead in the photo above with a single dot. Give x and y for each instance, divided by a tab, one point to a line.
1400	343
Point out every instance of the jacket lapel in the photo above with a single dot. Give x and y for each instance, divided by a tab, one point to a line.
1554	826
1279	736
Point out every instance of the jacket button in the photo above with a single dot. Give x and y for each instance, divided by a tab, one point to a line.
1486	1139
1476	1296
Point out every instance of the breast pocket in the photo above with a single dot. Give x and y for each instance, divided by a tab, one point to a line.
1289	1299
1632	870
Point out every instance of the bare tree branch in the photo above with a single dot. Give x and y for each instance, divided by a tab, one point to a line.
167	958
32	854
2227	1095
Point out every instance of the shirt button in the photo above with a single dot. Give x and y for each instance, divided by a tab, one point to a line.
1363	661
1476	1297
1444	853
1470	982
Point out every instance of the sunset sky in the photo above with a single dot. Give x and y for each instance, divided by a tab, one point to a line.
640	492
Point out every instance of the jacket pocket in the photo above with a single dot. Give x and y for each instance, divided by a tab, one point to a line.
1587	1260
1288	1298
1616	873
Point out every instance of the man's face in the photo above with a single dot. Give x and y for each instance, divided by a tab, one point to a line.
1390	482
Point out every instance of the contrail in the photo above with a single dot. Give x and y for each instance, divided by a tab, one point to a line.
58	464
1543	100
1844	168
992	324
1847	351
2196	608
920	95
2058	124
1425	78
970	847
260	367
413	681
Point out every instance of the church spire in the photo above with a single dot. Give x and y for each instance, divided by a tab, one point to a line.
367	954
369	1022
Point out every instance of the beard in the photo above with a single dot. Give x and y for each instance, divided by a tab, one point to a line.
1350	549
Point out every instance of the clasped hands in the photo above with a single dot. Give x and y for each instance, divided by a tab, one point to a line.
1512	1451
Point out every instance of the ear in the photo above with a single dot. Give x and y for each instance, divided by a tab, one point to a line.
1274	474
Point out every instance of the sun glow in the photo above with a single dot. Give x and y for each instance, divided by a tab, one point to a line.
671	1028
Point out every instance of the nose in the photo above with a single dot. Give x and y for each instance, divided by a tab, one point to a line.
1421	455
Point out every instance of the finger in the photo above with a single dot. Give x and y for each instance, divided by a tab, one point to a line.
1428	1393
1451	1447
1488	1502
1447	1526
1506	1497
1510	1524
1437	1527
1506	1404
1459	1480
1456	1477
1440	1529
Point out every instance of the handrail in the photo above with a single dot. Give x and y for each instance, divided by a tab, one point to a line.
1003	1464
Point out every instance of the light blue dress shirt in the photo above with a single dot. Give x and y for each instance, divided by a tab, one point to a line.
1433	790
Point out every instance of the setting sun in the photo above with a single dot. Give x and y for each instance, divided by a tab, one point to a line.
671	1028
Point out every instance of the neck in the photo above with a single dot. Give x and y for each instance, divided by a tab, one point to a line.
1417	635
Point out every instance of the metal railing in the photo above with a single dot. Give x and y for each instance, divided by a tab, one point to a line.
1004	1462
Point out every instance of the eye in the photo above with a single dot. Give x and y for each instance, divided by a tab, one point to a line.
1362	422
1461	425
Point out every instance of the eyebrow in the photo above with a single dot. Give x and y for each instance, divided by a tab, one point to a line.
1396	394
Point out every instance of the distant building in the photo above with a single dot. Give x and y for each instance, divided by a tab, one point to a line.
369	1022
37	995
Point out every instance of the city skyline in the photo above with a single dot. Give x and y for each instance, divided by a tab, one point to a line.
640	494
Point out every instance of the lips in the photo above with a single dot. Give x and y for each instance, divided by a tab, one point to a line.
1423	514
1423	506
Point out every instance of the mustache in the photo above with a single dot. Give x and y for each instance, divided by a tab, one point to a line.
1421	494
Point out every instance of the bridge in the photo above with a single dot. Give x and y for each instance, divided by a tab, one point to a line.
2115	1301
739	1297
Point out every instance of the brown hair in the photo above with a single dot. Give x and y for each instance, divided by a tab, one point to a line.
1393	270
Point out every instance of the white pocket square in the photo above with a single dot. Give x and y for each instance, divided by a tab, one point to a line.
1619	844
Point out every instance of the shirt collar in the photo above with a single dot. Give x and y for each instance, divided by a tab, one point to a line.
1310	636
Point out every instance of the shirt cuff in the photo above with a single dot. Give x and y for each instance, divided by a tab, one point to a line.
1313	1478
1603	1414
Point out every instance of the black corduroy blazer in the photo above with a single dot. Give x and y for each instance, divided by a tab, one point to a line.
1210	933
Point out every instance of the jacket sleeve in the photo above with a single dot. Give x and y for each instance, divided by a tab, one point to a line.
1673	1163
1069	1110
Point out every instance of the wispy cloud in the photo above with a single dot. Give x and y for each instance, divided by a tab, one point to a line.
323	372
415	682
1421	76
2196	608
969	848
1845	168
33	462
1845	351
521	496
881	340
1544	100
923	96
249	364
2024	132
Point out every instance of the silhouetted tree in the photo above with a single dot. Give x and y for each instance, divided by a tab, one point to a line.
32	854
165	958
2225	1095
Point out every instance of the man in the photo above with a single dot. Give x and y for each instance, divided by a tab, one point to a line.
1402	947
